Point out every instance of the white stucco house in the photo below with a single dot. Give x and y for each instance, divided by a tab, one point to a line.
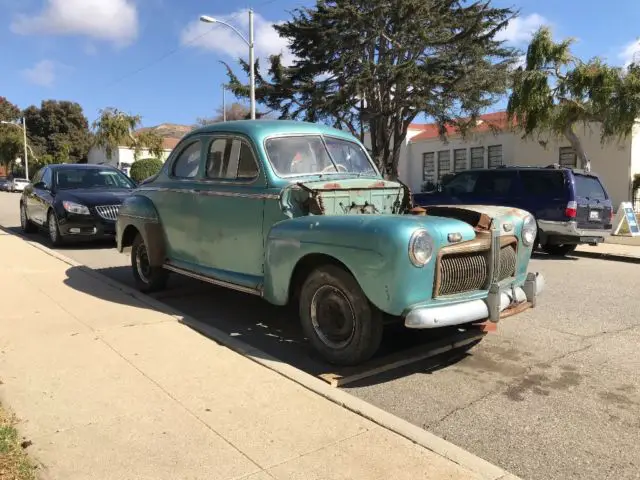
426	158
123	157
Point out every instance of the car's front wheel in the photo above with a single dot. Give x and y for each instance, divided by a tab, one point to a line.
25	223
337	317
559	250
54	230
148	278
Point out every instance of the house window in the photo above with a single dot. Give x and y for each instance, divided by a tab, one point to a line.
428	167
495	156
477	157
444	163
568	157
460	159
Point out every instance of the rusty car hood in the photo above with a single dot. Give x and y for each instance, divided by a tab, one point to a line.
350	196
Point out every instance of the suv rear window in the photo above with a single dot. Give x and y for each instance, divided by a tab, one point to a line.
543	183
589	187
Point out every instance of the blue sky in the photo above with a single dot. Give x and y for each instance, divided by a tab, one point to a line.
153	58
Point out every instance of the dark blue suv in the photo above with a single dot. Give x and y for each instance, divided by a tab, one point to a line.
571	206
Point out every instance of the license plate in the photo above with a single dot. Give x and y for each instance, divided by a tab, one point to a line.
594	215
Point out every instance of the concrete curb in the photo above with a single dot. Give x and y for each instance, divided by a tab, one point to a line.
382	418
607	256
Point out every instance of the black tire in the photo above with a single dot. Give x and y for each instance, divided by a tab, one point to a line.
53	230
331	293
559	250
25	224
148	279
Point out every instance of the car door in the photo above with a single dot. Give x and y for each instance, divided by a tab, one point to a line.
176	203
230	211
495	187
28	196
42	197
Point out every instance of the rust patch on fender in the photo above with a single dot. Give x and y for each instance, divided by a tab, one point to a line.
331	185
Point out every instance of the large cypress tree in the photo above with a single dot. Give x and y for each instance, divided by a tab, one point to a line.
375	65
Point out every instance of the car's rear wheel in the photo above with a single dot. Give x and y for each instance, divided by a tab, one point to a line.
337	317
25	223
559	250
147	277
54	230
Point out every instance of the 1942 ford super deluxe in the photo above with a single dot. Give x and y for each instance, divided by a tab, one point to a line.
297	212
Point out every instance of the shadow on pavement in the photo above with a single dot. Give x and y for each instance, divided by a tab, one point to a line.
273	330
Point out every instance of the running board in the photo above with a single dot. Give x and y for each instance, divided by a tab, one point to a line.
213	281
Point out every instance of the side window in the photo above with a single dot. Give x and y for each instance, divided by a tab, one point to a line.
494	183
47	177
38	176
231	159
462	183
188	162
538	183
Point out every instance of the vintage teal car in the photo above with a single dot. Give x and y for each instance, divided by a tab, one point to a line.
297	213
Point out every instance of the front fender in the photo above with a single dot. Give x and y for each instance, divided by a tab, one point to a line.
374	248
137	214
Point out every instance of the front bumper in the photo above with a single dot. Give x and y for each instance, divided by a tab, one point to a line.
500	302
568	232
86	226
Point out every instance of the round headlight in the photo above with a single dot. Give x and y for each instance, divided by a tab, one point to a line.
529	231
420	248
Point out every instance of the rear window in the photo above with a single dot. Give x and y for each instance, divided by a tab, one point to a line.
589	187
542	183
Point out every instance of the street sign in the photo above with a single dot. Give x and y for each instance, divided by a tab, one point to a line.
626	217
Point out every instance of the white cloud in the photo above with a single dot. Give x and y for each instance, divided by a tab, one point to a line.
630	52
224	40
520	30
111	20
42	73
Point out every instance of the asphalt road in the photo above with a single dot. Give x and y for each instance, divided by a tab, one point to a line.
554	394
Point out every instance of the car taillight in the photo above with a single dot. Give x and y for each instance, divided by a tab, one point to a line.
572	210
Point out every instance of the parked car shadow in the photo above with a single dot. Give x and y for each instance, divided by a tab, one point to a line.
545	256
41	238
273	330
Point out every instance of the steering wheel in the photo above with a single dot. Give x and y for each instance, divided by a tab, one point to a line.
338	167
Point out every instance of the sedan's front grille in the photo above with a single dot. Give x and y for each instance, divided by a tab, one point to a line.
466	272
108	212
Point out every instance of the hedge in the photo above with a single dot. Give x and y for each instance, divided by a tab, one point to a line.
145	168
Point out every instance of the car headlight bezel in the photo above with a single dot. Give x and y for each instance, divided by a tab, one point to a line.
75	208
421	248
529	231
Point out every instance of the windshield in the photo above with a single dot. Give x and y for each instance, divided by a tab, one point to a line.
68	178
589	187
313	154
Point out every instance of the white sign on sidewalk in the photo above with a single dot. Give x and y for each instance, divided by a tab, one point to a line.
626	216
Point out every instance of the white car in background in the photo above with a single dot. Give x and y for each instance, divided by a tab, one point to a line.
18	184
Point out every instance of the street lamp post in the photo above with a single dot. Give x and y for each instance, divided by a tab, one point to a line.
24	138
250	43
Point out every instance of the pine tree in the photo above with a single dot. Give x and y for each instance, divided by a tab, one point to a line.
375	65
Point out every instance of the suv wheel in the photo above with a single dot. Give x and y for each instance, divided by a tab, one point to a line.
148	279
337	317
559	250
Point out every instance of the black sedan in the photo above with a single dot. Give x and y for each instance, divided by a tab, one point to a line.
73	201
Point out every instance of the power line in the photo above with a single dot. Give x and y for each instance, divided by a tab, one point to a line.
175	50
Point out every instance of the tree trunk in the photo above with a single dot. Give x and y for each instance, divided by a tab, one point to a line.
576	144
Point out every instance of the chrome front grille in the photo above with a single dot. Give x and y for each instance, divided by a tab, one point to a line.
108	212
466	272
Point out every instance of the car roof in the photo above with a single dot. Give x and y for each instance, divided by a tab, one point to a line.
265	128
88	166
549	168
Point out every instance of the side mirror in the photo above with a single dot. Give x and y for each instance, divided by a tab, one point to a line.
41	186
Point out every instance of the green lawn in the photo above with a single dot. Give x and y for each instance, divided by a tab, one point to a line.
14	463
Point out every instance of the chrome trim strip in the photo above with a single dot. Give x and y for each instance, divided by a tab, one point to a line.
213	281
213	193
138	217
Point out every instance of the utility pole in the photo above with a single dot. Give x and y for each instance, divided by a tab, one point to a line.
26	160
253	67
224	104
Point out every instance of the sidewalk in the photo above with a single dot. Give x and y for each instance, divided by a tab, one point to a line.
613	251
108	388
